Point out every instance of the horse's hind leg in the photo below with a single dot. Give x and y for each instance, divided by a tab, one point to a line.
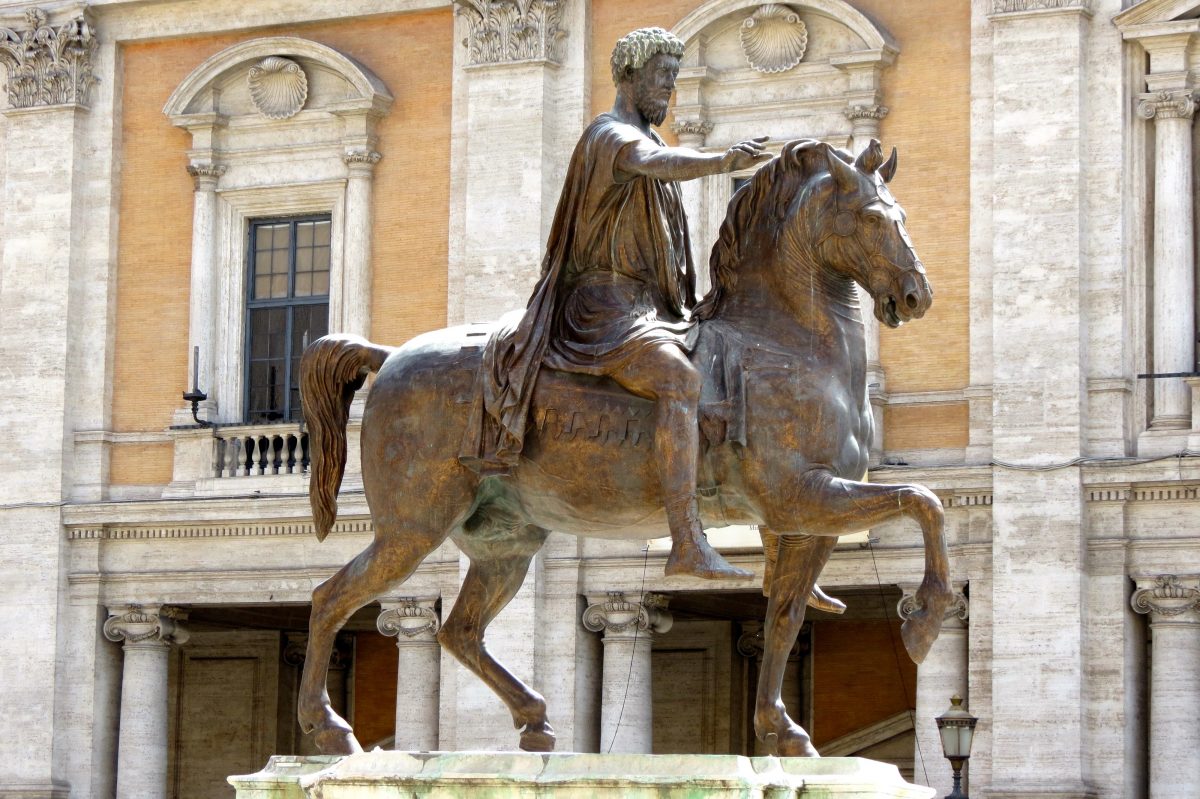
388	561
798	563
491	582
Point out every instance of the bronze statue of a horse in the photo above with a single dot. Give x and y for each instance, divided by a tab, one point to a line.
783	308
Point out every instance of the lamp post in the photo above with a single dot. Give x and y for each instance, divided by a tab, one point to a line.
957	728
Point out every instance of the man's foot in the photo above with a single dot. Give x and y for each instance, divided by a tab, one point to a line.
695	557
822	601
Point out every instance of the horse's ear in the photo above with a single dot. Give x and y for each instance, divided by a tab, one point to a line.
870	159
888	170
845	176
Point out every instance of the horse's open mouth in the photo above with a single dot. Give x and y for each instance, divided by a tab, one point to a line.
887	312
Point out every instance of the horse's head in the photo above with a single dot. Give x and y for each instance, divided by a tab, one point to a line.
857	229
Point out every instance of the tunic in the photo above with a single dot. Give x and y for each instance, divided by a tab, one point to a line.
617	278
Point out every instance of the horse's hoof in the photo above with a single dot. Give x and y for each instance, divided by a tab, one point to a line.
820	600
335	741
919	632
795	746
538	738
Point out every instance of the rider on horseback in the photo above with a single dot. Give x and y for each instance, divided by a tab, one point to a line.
617	287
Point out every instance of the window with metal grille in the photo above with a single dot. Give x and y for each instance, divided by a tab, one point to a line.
287	307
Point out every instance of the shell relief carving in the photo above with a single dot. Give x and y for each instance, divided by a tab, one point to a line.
774	38
278	87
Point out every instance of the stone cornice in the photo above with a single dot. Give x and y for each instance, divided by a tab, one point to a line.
49	65
1007	8
1153	11
512	31
219	530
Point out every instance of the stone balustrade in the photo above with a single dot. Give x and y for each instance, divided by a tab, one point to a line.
269	449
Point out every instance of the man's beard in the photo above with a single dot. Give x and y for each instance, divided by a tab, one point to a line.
654	111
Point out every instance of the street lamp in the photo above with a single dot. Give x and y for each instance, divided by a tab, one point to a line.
957	728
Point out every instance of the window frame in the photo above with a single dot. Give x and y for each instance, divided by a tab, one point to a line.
289	303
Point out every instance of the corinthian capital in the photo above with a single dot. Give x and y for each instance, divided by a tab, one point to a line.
409	619
1168	598
505	31
617	615
859	113
48	64
1178	104
145	624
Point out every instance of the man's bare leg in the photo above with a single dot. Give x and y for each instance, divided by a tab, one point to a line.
667	377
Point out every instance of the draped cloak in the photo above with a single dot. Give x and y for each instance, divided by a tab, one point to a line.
617	277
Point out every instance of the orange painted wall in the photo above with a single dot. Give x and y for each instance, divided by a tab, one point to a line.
861	675
140	464
926	426
412	54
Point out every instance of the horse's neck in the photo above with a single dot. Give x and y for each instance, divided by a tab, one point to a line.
796	305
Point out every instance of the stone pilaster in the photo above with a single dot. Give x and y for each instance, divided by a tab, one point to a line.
1174	308
48	64
414	623
513	57
943	674
147	633
629	624
1172	606
356	287
1040	61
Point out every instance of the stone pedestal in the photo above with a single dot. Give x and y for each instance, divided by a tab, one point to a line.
628	624
484	775
147	633
1174	689
414	623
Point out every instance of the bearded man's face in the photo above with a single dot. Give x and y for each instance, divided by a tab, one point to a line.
652	85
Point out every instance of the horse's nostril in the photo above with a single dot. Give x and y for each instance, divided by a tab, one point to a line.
912	300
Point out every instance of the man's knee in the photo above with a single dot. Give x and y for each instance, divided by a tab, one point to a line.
679	379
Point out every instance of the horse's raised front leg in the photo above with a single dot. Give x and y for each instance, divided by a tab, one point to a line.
798	562
491	582
831	506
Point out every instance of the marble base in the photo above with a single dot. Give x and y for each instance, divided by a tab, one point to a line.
511	775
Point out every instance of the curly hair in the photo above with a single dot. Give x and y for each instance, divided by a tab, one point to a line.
633	50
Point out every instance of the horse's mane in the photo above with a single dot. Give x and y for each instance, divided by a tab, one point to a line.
759	206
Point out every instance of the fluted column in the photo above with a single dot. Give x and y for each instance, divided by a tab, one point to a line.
1174	310
1174	685
628	624
940	676
355	316
147	632
414	623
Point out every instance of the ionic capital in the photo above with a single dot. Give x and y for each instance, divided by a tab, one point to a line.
49	65
295	650
1174	104
503	32
616	615
752	642
691	132
1167	598
361	162
959	609
206	176
868	113
145	625
409	619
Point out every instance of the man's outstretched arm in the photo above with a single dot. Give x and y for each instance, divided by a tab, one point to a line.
679	163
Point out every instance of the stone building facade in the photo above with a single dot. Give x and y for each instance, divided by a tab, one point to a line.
395	164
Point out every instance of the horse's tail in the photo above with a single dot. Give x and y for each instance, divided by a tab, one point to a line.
331	370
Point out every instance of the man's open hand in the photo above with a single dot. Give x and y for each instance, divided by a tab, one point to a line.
745	154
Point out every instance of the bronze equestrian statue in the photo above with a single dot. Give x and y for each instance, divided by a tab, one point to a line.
780	356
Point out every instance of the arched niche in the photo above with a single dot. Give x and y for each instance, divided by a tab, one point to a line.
280	126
